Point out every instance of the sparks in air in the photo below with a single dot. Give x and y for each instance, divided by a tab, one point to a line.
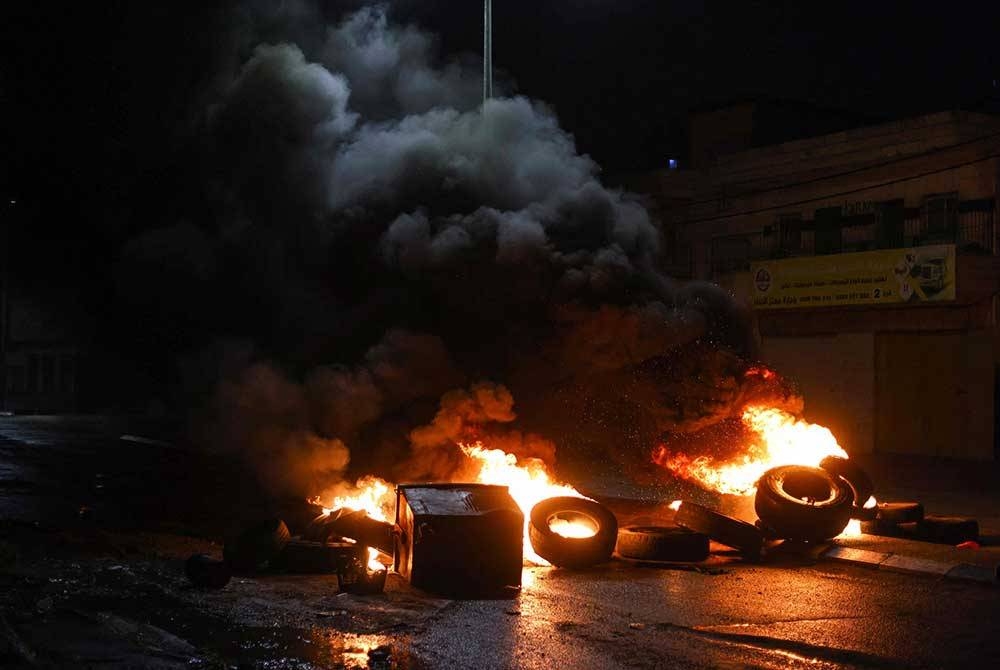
779	439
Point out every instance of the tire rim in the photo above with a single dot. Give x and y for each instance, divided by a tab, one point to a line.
807	488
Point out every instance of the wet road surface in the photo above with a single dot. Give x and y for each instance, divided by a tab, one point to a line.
104	587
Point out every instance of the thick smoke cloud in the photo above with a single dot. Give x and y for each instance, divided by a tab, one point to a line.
384	238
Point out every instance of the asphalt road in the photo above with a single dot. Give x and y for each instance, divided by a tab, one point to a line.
95	531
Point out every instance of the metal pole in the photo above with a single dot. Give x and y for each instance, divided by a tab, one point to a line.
4	289
487	50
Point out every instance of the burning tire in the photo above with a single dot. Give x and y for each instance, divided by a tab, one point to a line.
851	472
803	503
573	552
661	543
721	528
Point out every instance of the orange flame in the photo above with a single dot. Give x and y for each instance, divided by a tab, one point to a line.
529	483
780	439
371	495
854	525
853	529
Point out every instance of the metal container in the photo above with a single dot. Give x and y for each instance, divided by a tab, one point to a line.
458	539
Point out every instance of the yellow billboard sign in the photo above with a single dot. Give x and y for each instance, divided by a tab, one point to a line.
886	276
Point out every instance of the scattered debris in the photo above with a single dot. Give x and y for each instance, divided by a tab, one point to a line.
356	577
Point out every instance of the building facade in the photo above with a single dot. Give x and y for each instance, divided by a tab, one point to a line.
872	262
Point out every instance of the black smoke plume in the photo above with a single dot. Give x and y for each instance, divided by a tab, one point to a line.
381	237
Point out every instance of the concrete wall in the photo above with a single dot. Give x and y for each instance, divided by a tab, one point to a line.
934	394
906	392
835	374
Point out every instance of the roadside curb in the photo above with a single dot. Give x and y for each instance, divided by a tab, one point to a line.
911	565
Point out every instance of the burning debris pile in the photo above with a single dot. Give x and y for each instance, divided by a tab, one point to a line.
471	536
384	239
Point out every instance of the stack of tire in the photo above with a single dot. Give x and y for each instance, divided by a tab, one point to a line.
907	520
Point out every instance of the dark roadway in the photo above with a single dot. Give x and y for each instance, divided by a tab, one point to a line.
105	588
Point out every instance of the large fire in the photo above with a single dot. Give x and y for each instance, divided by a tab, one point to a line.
529	483
780	439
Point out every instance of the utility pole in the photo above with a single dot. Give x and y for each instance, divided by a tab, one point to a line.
7	209
487	50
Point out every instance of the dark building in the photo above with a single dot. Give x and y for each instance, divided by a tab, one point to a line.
41	324
870	257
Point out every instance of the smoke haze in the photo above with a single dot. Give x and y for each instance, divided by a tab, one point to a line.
387	242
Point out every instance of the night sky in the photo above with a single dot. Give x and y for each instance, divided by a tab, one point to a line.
93	93
97	98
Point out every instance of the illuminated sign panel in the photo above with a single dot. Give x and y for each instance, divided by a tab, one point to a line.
887	276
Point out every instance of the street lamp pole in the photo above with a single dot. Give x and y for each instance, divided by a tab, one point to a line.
487	50
5	224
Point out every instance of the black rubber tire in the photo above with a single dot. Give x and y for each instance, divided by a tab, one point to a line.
721	528
572	552
881	528
853	473
661	543
864	513
256	546
802	503
900	512
942	529
207	572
